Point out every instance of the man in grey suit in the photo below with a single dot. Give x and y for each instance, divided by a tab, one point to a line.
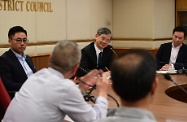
15	65
134	79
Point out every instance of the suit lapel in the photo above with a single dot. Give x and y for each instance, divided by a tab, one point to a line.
168	52
93	54
29	62
16	61
180	54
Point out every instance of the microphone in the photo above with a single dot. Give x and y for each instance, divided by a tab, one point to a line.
183	70
87	94
85	71
112	50
168	77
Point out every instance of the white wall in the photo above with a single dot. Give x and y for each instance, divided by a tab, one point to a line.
142	19
164	18
70	20
132	18
80	19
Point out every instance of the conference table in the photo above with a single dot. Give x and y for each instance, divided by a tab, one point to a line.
164	107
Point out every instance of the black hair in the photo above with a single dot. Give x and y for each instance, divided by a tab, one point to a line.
14	30
180	29
133	74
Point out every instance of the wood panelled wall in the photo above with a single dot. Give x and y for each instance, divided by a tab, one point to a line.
41	61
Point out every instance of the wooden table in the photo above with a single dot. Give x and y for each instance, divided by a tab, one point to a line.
165	108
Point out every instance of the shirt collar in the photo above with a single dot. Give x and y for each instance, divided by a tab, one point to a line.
53	71
178	47
134	112
97	49
18	55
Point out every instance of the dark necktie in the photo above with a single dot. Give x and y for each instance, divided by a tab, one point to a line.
100	59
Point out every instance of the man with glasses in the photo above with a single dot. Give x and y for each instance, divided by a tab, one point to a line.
49	94
15	65
98	54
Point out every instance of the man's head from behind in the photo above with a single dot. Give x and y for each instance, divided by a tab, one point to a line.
65	57
18	39
103	38
133	75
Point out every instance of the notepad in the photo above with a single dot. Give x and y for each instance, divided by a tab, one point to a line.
166	72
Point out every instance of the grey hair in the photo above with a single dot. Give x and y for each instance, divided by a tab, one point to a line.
104	31
65	56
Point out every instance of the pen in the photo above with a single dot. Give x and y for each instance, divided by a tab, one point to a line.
107	69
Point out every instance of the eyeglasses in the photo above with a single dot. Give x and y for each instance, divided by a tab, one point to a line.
105	39
20	40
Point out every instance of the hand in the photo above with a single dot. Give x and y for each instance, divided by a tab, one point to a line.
102	84
89	80
166	67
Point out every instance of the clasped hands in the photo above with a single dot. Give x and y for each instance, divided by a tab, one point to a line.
96	77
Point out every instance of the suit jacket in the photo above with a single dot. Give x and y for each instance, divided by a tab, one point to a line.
164	52
12	72
89	59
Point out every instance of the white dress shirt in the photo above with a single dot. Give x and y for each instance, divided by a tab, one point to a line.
47	97
174	54
97	50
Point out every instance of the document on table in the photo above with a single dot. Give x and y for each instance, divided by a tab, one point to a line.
166	71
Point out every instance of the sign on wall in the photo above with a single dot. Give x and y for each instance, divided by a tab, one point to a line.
21	5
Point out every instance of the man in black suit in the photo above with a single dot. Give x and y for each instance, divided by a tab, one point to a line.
98	54
15	65
173	54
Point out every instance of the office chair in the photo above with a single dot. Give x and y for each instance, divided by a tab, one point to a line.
4	99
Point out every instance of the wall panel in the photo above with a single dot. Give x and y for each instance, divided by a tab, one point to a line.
78	19
133	18
101	15
51	26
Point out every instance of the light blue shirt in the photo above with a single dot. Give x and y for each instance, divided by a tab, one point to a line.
22	60
130	114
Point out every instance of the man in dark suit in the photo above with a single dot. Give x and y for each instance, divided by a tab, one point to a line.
98	54
15	65
173	54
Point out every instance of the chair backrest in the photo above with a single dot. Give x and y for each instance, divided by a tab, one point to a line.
4	96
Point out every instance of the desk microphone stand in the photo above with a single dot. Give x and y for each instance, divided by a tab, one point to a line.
87	96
